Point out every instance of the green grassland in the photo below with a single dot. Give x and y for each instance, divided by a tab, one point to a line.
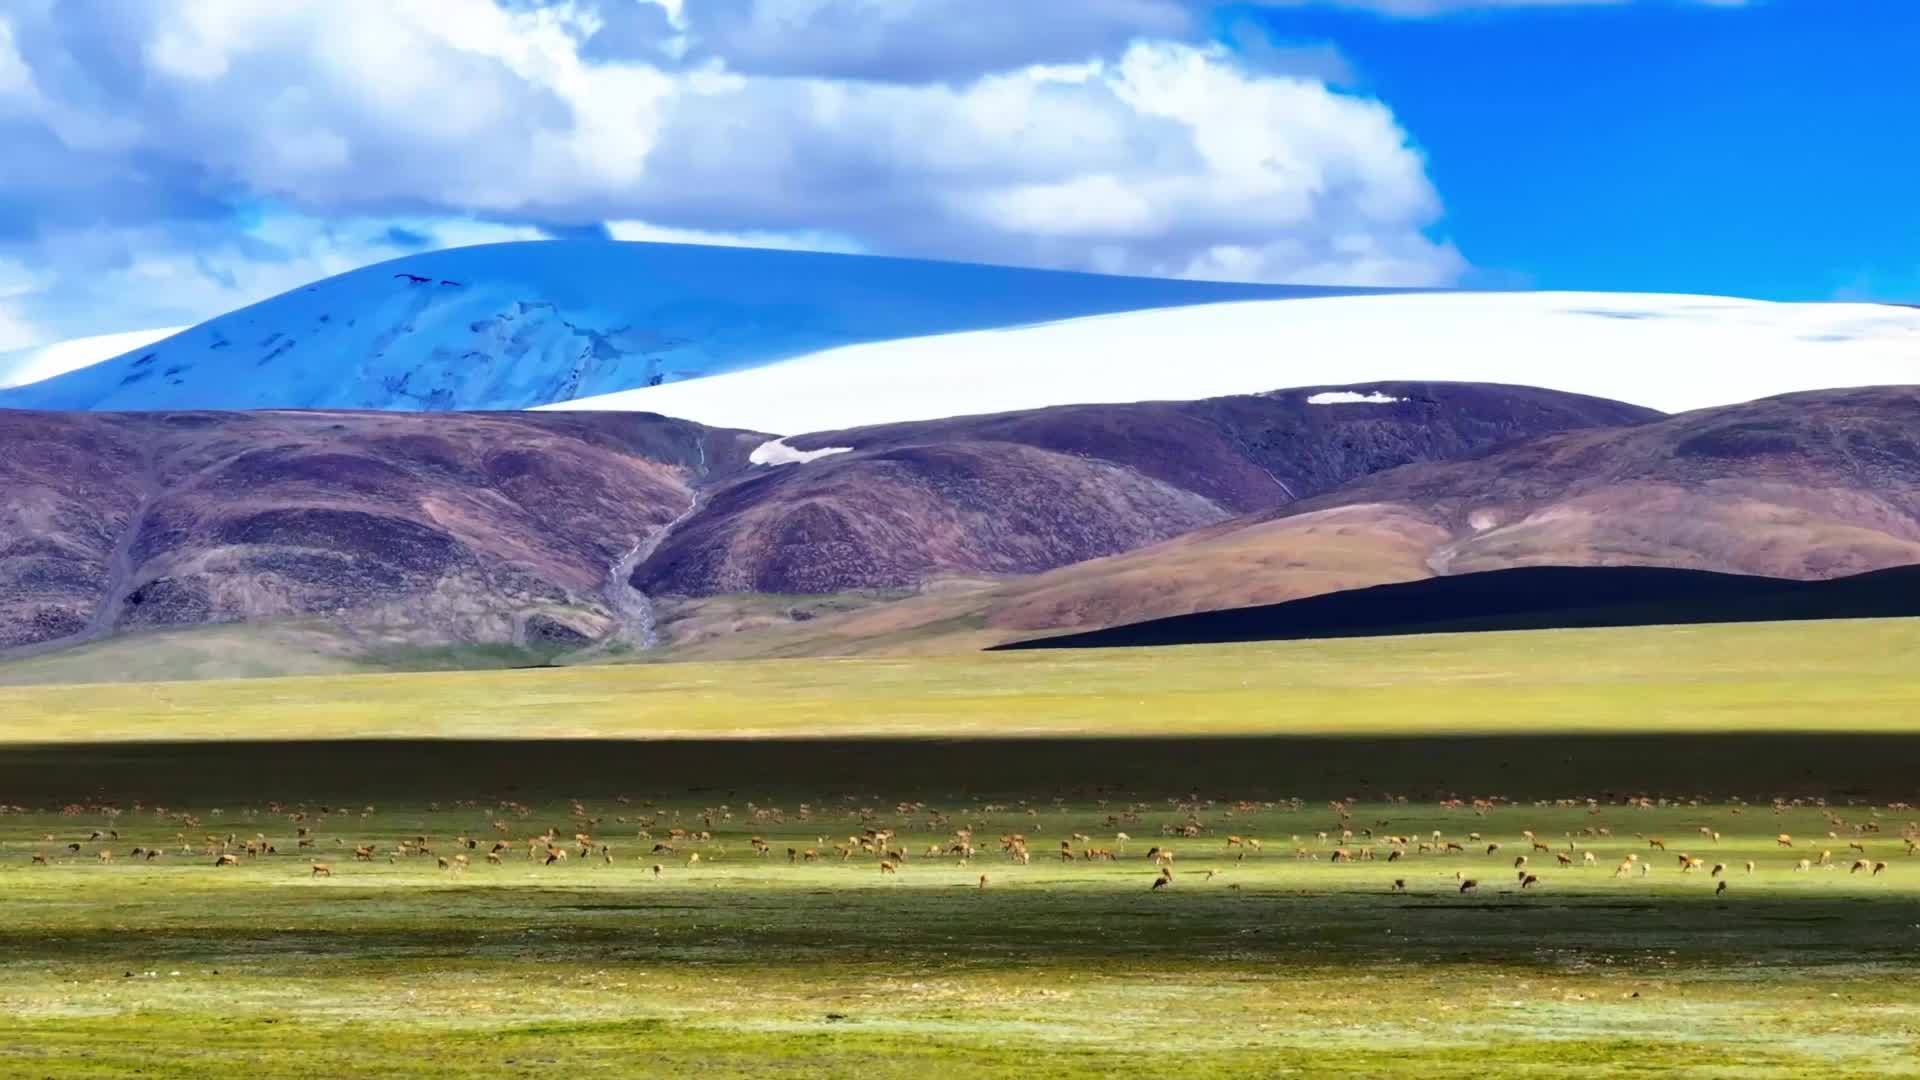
1275	961
1842	676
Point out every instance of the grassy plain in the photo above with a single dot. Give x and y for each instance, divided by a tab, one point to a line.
1282	963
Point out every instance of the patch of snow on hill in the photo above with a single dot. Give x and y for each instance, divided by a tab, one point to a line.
777	452
1348	397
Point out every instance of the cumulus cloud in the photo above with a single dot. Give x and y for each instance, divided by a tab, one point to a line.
145	138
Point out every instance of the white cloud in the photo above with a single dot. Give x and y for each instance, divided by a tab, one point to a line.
1066	147
784	241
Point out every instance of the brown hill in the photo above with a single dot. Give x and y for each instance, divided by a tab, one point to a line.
402	528
1814	485
1022	493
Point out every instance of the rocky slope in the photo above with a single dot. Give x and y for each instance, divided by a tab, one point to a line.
1019	493
503	528
1804	486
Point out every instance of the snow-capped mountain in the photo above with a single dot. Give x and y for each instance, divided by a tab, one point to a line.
1668	352
507	326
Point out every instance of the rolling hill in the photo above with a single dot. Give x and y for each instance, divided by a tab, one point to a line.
892	507
1804	486
552	533
1525	598
390	530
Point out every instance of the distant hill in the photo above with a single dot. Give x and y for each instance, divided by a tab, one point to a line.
1526	598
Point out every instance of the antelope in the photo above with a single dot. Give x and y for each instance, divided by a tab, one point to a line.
227	859
321	869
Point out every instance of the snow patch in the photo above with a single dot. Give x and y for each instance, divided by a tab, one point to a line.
777	452
1348	397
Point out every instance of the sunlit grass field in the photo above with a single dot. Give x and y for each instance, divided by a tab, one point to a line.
1852	676
1275	960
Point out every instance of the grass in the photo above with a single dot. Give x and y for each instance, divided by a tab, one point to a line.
1854	676
744	965
1284	963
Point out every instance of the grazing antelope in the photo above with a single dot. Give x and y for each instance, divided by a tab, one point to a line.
493	857
1588	859
1803	864
1399	884
1784	840
227	859
887	867
1749	866
321	869
106	855
1469	885
1563	858
1528	881
1720	888
658	870
1877	867
39	858
1718	869
983	881
1861	864
363	854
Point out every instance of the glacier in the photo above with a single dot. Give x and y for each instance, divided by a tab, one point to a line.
1664	351
509	326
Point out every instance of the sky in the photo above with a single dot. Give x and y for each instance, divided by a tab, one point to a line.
168	162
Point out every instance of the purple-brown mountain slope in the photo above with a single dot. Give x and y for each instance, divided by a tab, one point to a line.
1026	492
431	527
1813	485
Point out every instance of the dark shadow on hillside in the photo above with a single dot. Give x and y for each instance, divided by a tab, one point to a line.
1840	767
1526	598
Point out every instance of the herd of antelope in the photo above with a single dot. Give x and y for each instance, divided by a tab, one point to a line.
654	837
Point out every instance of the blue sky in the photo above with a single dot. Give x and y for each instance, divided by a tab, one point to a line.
167	162
1771	150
